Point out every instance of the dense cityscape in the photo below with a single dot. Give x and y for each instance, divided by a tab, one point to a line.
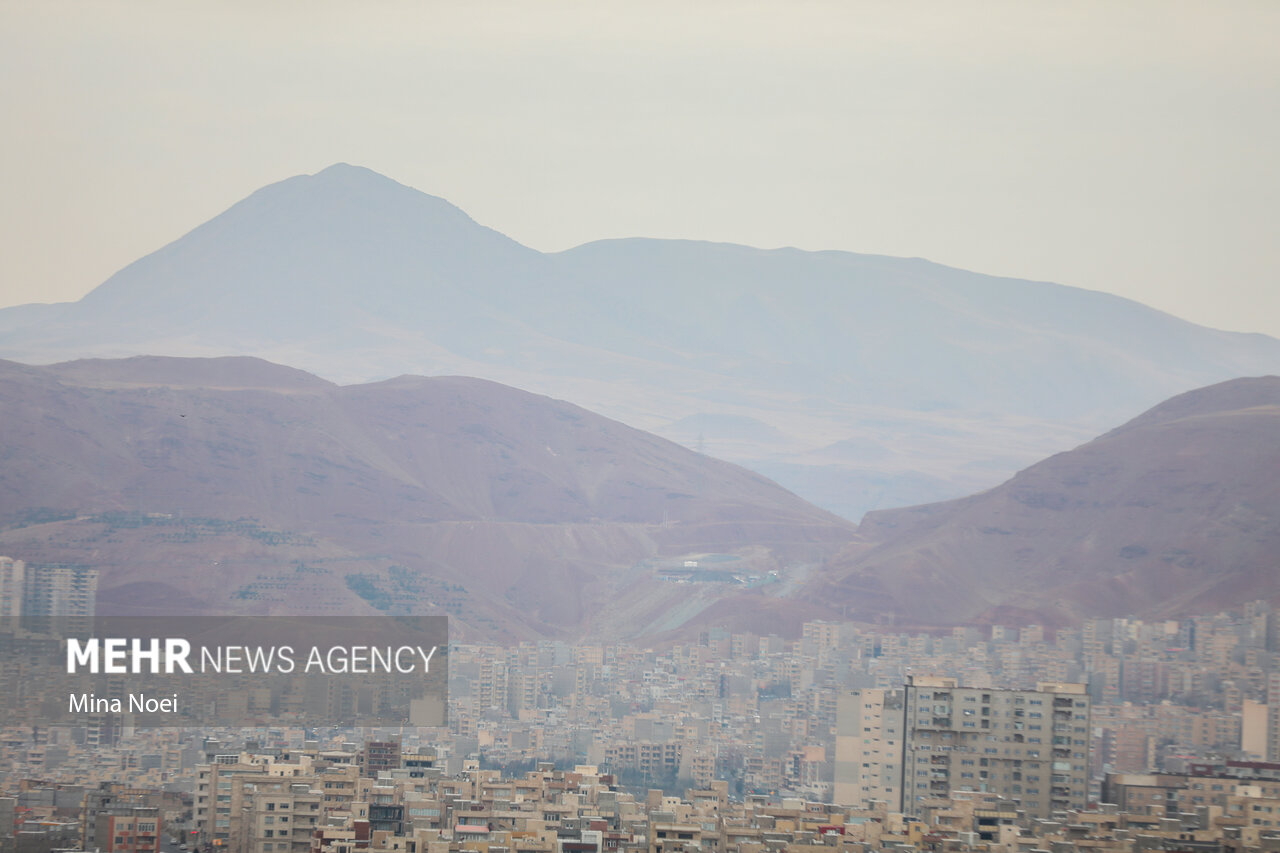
1118	734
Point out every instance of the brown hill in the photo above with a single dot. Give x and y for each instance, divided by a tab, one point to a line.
1177	511
218	483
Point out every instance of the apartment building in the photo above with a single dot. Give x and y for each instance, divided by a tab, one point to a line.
933	737
1029	746
127	829
280	816
868	751
13	575
59	599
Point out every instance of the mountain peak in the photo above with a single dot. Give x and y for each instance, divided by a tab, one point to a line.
312	249
341	168
352	184
353	175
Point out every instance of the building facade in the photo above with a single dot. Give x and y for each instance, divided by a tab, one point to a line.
868	751
1030	746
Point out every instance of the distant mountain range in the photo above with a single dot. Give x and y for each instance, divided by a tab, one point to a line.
235	484
859	382
1176	512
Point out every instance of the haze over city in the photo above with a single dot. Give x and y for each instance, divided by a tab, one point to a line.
774	428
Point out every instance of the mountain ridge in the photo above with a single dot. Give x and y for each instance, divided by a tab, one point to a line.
965	378
520	515
248	485
1176	511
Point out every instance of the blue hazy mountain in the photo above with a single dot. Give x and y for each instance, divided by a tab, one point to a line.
954	379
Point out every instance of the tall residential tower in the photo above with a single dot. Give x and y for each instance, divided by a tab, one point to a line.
934	737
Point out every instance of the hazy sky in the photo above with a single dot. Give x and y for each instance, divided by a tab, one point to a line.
1119	146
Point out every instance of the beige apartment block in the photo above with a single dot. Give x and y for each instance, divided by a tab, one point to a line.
1028	746
868	753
